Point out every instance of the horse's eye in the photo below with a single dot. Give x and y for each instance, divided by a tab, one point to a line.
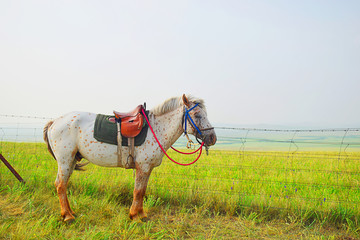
198	116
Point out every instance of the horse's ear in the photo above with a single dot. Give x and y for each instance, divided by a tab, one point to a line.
185	100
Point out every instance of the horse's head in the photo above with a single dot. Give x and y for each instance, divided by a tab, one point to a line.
196	122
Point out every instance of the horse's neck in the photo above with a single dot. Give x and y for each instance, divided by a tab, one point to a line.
168	127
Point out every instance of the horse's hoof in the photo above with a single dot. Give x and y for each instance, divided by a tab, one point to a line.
138	218
69	220
145	219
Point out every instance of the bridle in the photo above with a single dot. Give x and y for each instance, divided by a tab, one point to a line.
187	118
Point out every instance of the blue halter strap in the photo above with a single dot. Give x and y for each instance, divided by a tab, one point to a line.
188	117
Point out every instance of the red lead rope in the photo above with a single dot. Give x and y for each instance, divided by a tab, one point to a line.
182	164
186	152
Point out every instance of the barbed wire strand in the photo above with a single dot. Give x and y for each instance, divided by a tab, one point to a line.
23	116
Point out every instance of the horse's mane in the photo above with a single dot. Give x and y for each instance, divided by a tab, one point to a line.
175	102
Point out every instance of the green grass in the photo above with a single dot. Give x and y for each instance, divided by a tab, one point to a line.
227	194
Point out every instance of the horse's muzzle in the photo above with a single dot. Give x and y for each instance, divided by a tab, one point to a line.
210	139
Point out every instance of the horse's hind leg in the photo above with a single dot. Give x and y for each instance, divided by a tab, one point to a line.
65	170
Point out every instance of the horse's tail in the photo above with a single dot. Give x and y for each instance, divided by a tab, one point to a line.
46	138
78	166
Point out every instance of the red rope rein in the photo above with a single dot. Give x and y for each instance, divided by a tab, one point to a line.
182	164
186	152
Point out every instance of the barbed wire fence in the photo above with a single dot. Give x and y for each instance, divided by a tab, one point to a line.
275	168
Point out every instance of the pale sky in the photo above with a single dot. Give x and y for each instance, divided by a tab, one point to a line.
253	62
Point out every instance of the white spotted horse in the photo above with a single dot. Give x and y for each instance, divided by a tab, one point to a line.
71	137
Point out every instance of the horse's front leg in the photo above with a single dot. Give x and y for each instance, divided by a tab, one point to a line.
141	181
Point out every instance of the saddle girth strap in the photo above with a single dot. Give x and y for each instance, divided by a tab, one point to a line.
130	162
119	147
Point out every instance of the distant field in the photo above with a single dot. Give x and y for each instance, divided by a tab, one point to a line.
289	140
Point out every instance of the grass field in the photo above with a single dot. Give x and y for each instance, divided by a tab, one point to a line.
228	194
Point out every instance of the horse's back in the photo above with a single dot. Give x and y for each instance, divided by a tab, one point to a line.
71	124
76	117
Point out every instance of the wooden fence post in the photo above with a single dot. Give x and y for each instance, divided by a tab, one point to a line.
11	169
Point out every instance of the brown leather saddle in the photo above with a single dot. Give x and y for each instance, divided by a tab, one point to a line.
131	122
129	125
